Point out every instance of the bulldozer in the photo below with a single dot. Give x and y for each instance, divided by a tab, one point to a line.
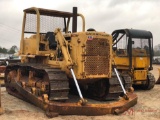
64	72
133	54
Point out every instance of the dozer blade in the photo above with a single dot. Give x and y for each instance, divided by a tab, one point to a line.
158	81
73	107
1	110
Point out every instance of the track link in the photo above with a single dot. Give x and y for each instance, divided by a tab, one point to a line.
114	88
127	80
59	86
150	82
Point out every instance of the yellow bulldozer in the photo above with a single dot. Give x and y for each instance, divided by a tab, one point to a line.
67	72
133	53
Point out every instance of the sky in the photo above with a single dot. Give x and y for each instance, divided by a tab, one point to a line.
102	15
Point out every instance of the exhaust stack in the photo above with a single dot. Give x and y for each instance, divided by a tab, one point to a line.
74	21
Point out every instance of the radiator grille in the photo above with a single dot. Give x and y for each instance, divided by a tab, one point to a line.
97	57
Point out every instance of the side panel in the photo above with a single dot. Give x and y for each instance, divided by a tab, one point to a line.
140	74
121	61
30	46
140	62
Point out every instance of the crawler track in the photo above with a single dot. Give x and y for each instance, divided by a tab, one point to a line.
46	80
109	89
150	82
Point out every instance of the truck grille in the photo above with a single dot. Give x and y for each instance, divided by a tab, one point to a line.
97	58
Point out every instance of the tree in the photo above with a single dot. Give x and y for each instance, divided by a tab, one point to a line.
4	50
13	49
157	50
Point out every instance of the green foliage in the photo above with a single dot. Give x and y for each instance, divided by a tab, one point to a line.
3	50
12	50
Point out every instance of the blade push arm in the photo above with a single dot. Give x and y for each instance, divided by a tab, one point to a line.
64	47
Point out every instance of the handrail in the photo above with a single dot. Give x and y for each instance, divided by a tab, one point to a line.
83	21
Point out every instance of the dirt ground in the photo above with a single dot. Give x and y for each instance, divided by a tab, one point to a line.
147	108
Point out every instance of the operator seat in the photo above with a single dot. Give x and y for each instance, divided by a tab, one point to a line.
50	36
